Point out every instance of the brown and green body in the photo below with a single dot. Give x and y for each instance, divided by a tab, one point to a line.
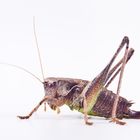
91	97
67	90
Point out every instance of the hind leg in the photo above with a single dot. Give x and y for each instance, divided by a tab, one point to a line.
93	88
116	69
114	109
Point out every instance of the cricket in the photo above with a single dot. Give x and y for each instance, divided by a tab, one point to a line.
91	98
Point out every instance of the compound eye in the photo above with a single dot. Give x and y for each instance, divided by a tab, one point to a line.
52	84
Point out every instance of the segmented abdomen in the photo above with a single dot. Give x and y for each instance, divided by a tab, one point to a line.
104	104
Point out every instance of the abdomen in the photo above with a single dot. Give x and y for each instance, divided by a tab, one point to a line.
104	104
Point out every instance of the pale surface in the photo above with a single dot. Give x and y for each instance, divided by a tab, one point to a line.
63	127
77	38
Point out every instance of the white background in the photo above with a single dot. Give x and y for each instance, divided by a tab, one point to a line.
77	39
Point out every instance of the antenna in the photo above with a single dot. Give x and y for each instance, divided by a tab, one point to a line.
21	68
38	51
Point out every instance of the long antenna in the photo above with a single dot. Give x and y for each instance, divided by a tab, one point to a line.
21	68
38	51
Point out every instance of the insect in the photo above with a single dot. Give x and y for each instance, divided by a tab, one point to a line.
89	97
